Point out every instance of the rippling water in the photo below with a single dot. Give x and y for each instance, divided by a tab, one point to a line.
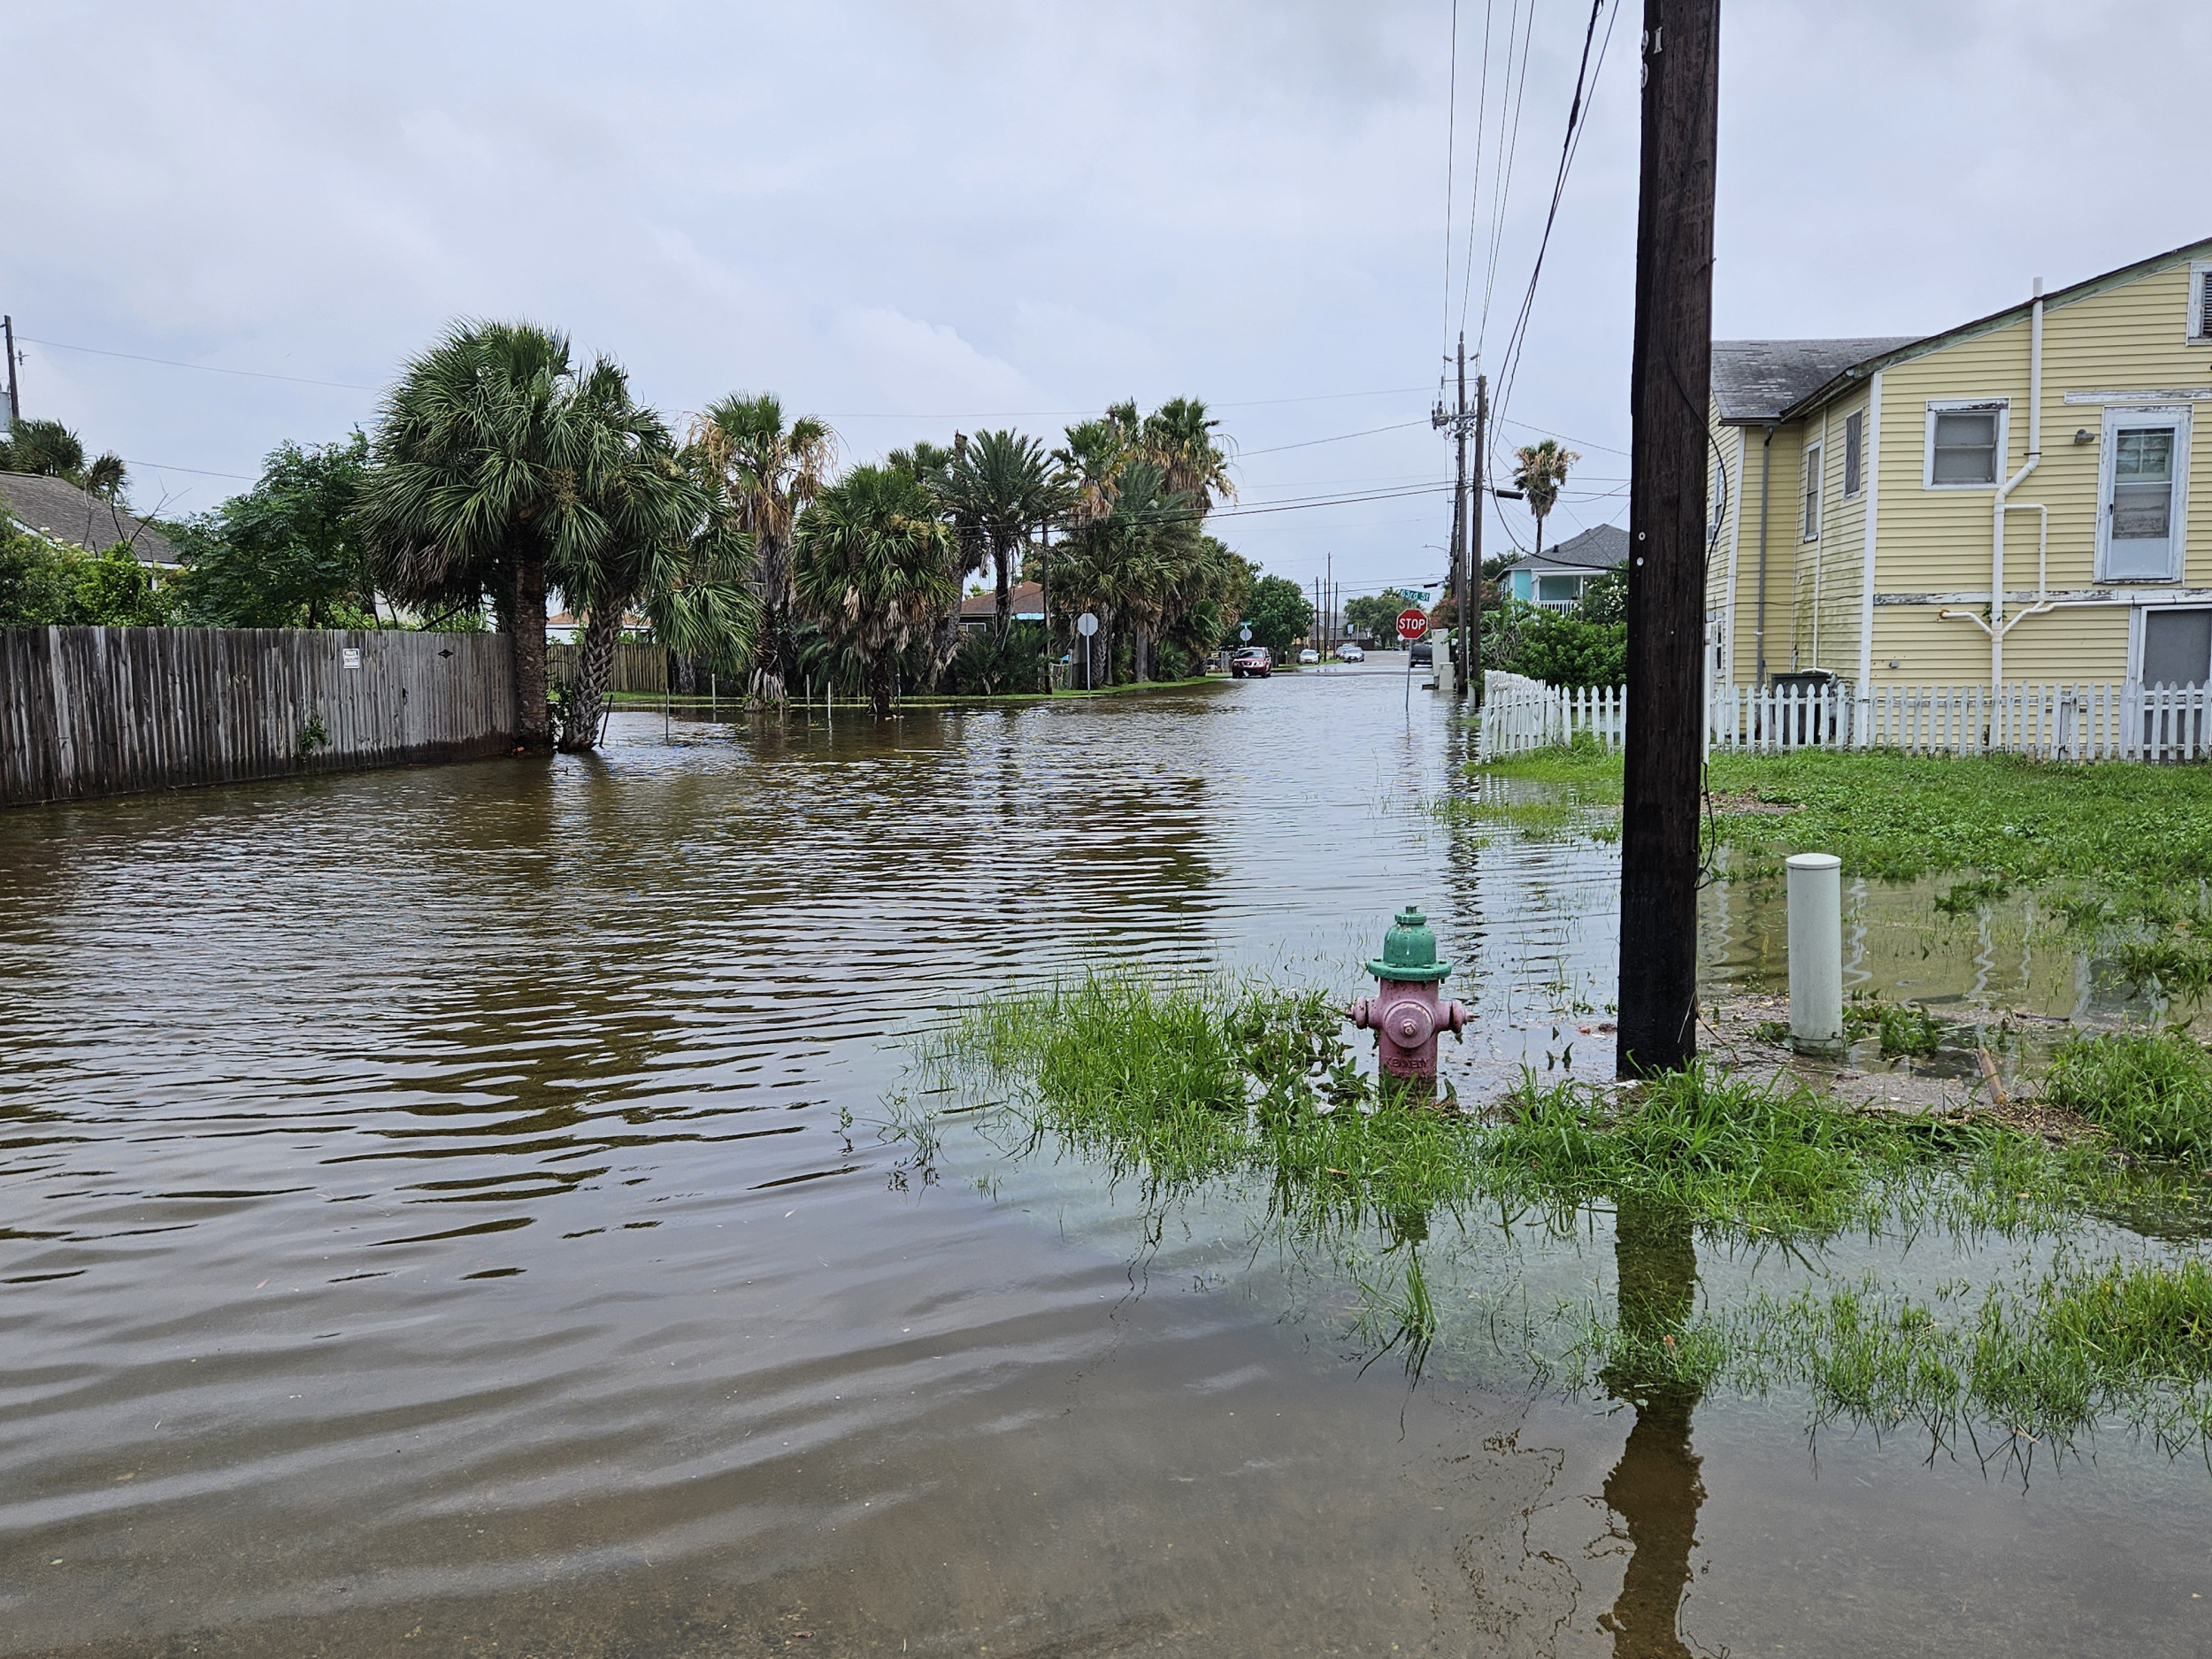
440	1211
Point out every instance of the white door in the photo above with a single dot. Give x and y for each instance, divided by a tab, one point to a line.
2141	490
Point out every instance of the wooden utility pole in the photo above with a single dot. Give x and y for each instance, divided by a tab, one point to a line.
15	403
1460	421
1669	389
1472	581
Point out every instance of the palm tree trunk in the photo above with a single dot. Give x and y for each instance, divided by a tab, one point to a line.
534	716
774	667
1140	654
879	684
1003	553
595	672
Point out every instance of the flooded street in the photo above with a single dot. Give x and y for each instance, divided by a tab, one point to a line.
446	1210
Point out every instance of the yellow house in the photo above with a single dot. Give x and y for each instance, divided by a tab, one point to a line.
2014	501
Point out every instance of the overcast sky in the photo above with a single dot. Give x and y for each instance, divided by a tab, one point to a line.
916	217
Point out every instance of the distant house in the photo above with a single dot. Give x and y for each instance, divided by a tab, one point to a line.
58	511
1555	578
981	609
2010	500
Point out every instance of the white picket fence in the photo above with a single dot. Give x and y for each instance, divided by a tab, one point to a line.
2077	722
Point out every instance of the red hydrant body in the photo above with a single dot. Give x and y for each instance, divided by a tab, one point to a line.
1409	1013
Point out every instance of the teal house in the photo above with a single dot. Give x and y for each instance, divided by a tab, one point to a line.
1555	578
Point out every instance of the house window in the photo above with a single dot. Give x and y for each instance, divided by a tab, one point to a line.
2142	494
1810	528
1853	452
2201	302
1965	441
2176	648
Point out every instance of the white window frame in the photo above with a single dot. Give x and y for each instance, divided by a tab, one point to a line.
1961	405
1812	493
2200	303
2115	416
2137	619
1854	426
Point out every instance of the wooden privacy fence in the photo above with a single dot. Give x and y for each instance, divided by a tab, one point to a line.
2106	721
96	712
636	667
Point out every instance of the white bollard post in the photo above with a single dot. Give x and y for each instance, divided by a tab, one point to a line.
1815	899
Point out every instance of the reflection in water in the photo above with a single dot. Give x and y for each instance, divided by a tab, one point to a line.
1654	1487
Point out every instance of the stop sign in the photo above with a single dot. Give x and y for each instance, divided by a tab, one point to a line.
1411	624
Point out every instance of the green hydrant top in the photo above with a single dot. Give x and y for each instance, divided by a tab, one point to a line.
1409	951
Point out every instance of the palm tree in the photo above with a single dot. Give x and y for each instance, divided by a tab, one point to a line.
771	468
492	470
1090	467
666	548
1006	486
1180	436
46	448
1540	471
873	562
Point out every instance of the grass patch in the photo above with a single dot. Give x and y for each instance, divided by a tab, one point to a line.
1185	1084
2153	1090
1173	1083
2087	1342
2143	833
1907	1029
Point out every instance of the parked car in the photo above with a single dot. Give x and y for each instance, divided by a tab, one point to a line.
1351	653
1253	662
1308	656
1424	653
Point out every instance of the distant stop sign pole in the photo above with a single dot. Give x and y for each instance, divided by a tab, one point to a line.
1087	625
1411	625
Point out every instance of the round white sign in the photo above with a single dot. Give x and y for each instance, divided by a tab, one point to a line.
1245	632
1087	625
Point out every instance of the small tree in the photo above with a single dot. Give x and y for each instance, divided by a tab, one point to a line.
287	553
1278	612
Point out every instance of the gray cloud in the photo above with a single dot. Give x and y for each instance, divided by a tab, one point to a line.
911	217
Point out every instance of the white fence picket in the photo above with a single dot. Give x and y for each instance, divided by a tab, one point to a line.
2097	721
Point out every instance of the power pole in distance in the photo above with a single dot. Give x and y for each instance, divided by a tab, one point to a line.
15	403
1669	389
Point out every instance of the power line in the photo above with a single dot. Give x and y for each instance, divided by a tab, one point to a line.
1341	437
204	368
1451	142
957	414
1517	341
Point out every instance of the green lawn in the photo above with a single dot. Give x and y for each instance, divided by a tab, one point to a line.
2141	835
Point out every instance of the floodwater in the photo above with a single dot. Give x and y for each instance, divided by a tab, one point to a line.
444	1210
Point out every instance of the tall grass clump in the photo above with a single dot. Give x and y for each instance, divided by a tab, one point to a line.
2153	1090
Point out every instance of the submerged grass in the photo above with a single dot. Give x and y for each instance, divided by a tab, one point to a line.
2152	1090
1186	1083
2087	1342
1177	1082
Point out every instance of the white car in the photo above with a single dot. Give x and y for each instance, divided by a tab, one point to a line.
1351	653
1308	656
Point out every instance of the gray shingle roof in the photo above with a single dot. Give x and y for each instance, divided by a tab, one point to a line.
1600	548
1756	380
58	510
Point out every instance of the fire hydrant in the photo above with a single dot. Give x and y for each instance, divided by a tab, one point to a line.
1407	1016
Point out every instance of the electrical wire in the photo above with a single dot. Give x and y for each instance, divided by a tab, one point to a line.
1451	145
204	368
1585	89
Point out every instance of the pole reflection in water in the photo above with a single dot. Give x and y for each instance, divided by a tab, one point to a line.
1654	1487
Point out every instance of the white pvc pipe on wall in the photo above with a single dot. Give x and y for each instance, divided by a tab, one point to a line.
1815	898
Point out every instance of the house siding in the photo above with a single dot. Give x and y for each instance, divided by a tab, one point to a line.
1928	542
